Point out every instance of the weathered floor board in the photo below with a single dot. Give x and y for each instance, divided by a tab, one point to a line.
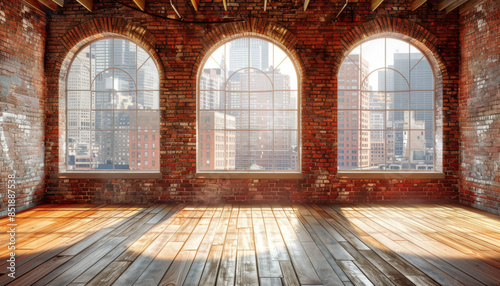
234	244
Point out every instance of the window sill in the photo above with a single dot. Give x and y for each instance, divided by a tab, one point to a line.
389	175
110	175
290	176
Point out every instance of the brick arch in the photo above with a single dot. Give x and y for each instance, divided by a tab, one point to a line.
271	31
428	44
84	34
99	28
398	28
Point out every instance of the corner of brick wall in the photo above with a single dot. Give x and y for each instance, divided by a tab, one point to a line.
480	106
22	101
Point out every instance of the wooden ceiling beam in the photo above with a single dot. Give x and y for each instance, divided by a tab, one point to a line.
265	5
455	5
225	4
86	3
375	4
34	4
468	5
141	4
49	4
442	4
306	3
196	4
416	3
59	2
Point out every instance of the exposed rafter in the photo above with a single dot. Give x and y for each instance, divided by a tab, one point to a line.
375	4
455	5
141	4
468	5
59	2
442	4
225	4
416	3
306	3
86	3
265	5
49	4
34	4
196	4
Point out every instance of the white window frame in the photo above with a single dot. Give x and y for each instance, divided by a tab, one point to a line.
250	173
436	172
105	173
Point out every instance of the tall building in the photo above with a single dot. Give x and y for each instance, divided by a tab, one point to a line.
216	146
418	72
353	94
241	49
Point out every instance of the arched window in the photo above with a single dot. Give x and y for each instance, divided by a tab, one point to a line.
386	108
112	108
248	109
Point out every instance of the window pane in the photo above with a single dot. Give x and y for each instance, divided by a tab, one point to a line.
398	56
261	140
422	100
104	81
285	160
125	100
261	120
261	100
102	120
121	150
395	81
211	120
285	140
148	119
261	160
102	53
398	120
398	100
422	77
237	120
78	99
285	120
147	76
212	78
79	76
285	76
102	149
108	108
242	160
125	119
125	57
78	119
237	100
123	81
148	99
102	100
422	120
285	99
259	79
377	120
238	54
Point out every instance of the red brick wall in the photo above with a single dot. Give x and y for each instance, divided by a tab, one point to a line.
318	44
22	95
480	106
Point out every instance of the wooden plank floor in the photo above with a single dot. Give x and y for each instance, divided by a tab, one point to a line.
253	245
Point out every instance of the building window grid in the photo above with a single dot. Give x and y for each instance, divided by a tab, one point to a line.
249	109
113	91
386	110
